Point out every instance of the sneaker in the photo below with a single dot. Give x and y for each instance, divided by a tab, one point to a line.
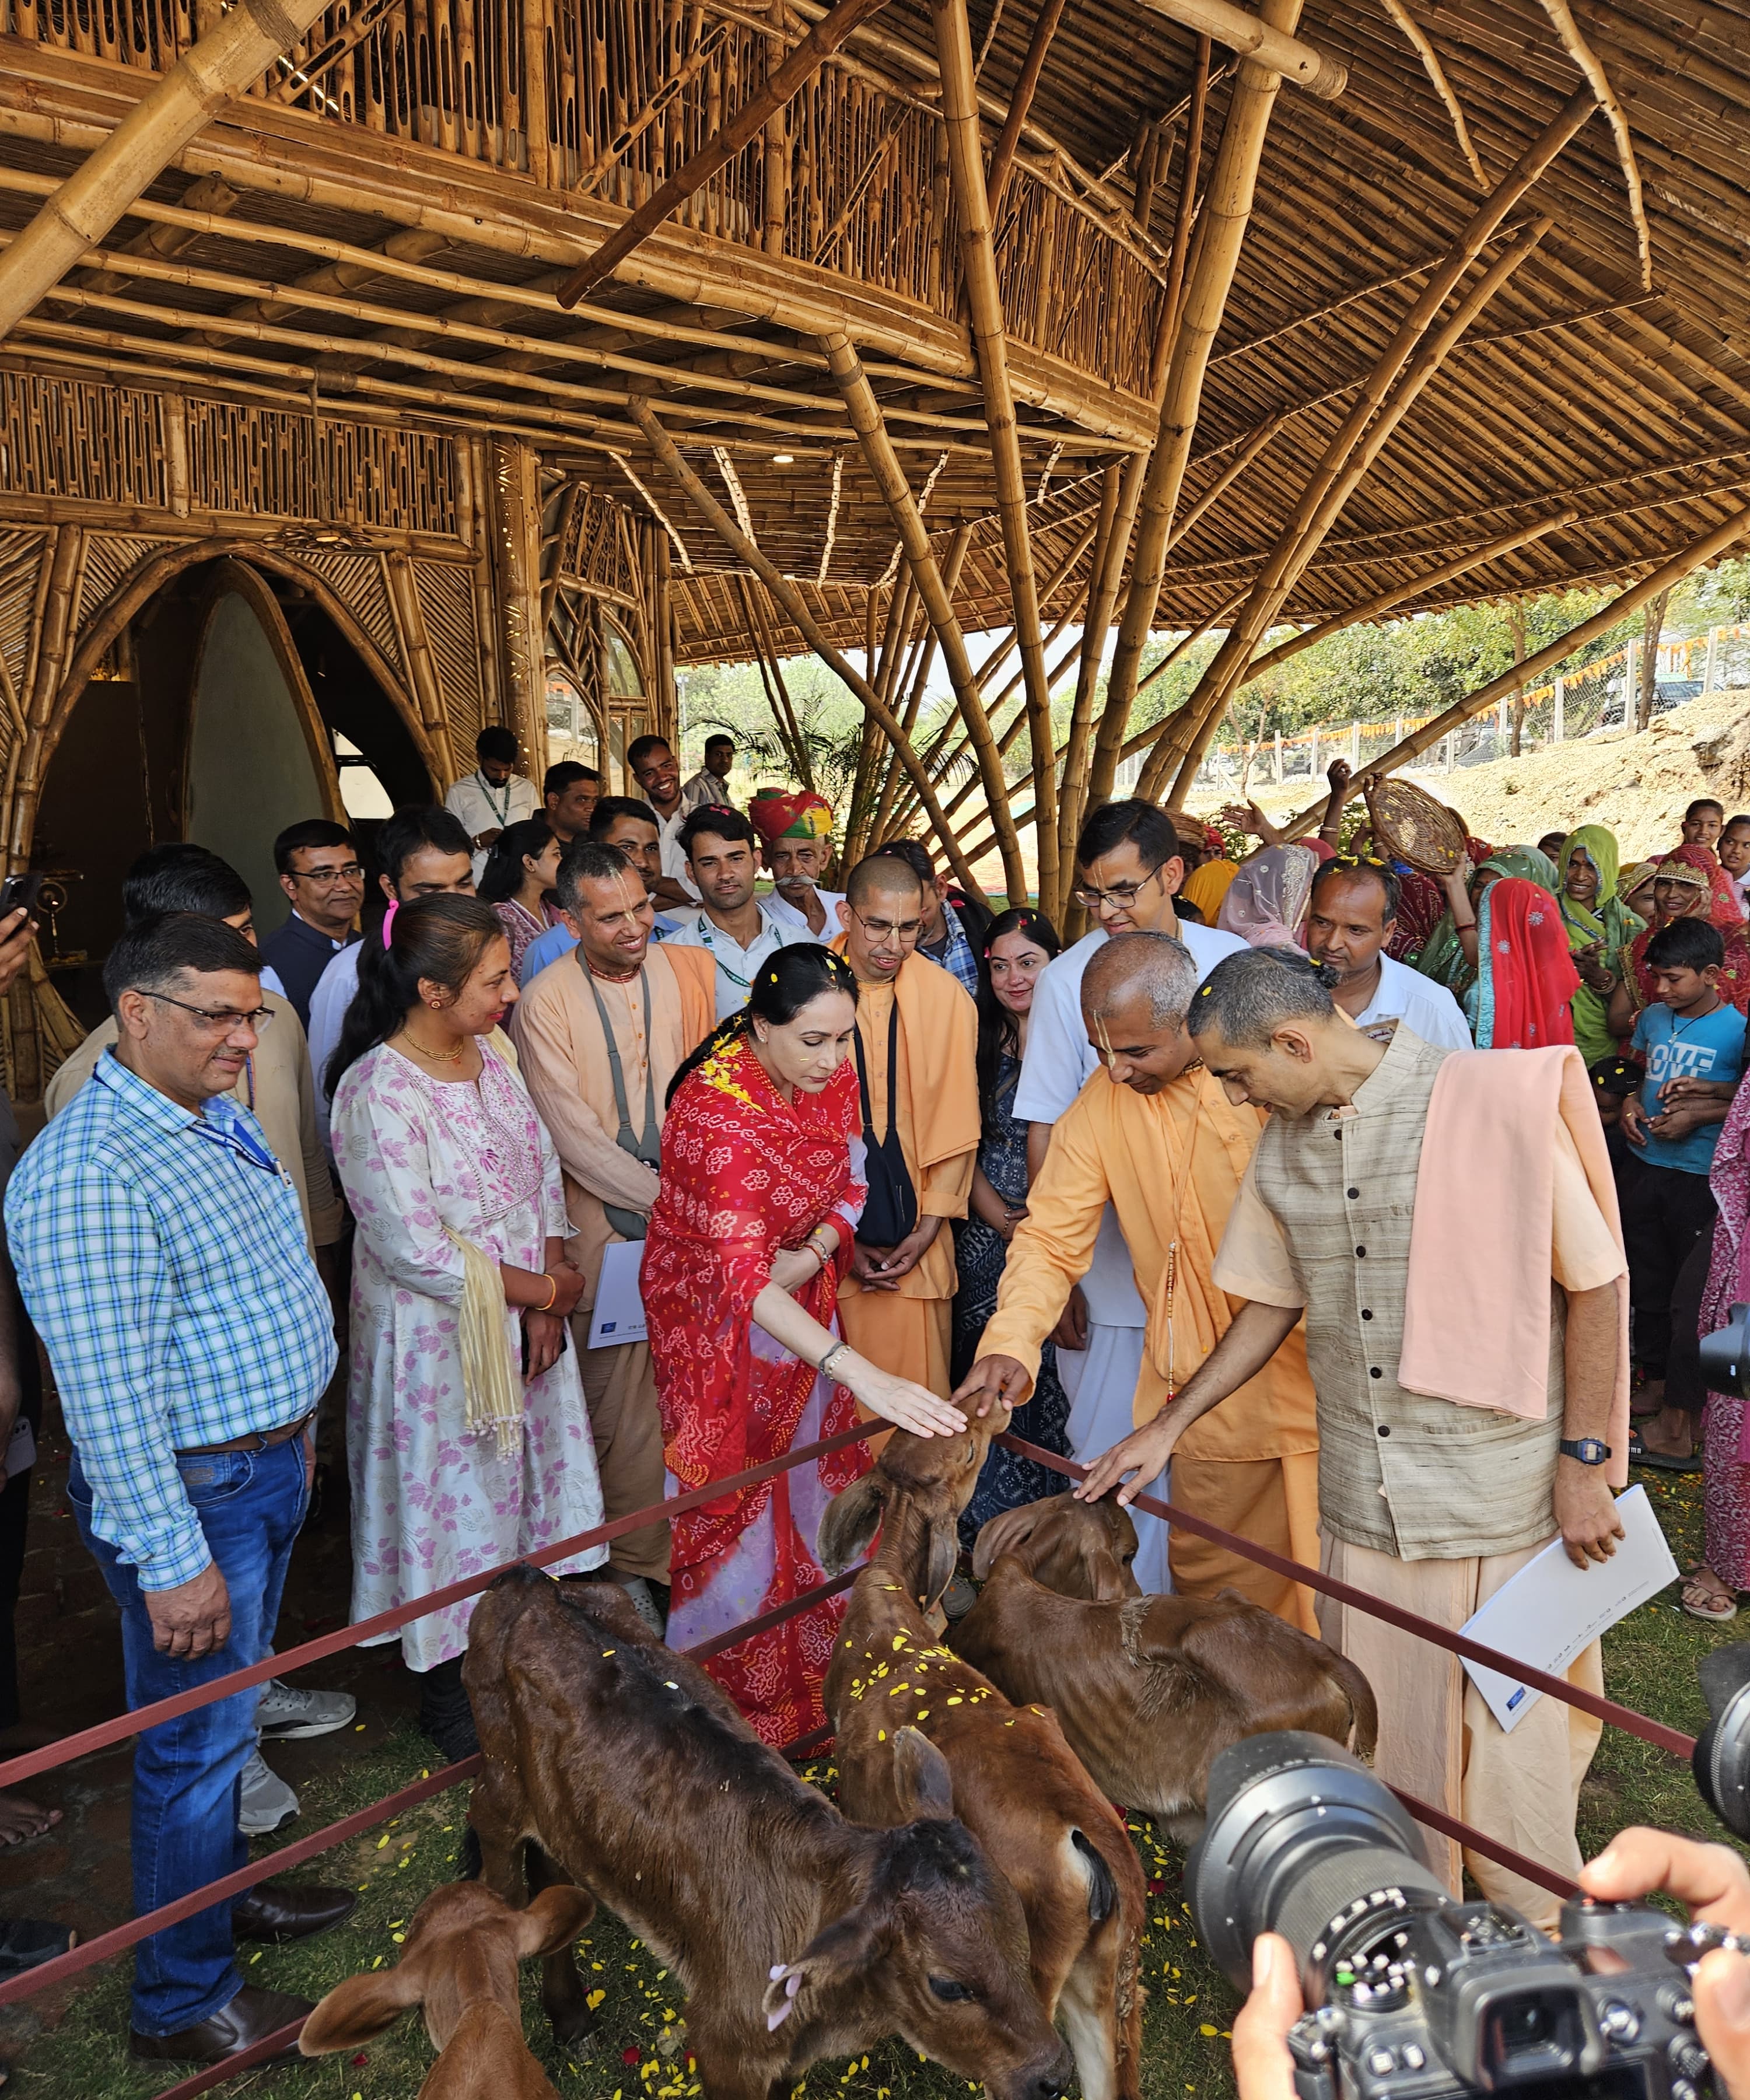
266	1800
288	1713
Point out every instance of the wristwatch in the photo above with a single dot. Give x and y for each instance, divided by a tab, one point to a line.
1587	1449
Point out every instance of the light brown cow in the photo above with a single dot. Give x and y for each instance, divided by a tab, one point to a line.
623	1767
460	1964
1149	1690
1017	1786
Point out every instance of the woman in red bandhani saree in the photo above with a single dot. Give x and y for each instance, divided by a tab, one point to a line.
751	1232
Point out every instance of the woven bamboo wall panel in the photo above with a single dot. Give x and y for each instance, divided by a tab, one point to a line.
358	581
252	460
110	558
446	596
79	437
403	479
600	549
20	559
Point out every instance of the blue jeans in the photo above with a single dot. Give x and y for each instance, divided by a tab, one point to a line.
186	1772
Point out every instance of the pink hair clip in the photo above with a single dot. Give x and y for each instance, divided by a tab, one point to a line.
388	919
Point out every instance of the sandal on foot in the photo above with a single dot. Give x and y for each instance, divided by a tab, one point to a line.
1701	1601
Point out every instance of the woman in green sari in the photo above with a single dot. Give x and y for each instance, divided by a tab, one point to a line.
1599	927
1448	957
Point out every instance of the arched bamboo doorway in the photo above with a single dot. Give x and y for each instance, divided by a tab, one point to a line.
202	724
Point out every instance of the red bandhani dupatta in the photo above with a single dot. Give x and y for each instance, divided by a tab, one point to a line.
744	1174
1526	978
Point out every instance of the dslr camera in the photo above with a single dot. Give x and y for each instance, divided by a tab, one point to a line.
1413	1994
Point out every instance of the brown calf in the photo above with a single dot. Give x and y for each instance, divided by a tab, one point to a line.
797	1934
1148	1689
1016	1784
460	1965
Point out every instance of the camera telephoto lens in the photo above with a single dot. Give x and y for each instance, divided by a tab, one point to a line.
1302	1839
1722	1758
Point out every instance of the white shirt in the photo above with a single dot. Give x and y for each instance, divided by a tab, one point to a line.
735	965
328	1013
1059	1062
673	852
787	915
1741	889
1427	1009
479	806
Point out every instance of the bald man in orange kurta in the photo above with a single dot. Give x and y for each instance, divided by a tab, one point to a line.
896	1305
1154	1135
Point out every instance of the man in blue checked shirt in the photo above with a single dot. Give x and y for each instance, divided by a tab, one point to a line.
161	1252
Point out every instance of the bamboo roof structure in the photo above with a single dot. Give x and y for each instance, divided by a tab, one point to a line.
1453	305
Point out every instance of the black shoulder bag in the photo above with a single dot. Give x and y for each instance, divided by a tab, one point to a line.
891	1213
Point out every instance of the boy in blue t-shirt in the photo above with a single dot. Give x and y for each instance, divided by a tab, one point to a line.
1692	1044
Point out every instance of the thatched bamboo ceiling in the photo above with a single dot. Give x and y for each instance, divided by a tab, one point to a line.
381	255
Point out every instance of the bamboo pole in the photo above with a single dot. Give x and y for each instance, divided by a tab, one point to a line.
796	612
1078	736
966	168
865	414
240	49
1002	154
1376	608
925	654
1346	462
782	84
1257	39
1221	232
1709	548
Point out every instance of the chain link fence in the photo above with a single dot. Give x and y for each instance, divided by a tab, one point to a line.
1601	695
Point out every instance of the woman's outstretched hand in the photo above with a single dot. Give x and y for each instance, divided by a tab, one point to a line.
898	1401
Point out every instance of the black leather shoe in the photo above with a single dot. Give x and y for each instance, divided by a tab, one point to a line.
278	1911
251	2017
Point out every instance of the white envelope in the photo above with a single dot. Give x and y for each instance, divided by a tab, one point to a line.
1551	1609
619	1313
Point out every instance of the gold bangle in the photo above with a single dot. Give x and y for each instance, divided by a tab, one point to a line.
552	1293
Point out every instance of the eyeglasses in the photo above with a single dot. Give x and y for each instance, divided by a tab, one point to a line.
908	930
325	878
221	1023
1121	895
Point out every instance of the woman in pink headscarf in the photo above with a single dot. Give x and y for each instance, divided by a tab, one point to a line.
1266	900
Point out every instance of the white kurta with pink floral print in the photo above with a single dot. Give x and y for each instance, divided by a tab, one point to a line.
432	1504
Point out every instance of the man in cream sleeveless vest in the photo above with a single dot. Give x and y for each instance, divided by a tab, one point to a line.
1423	1504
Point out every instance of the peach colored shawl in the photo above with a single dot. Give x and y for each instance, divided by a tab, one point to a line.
1476	1314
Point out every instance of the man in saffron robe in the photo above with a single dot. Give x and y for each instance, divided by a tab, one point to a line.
917	1043
1155	1137
617	995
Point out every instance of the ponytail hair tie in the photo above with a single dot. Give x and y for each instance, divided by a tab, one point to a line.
388	919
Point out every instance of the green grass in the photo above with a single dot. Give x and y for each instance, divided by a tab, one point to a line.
1649	1662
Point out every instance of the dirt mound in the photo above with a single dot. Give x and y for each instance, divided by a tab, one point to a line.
1637	782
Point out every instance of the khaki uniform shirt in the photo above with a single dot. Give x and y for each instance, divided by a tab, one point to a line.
1323	1220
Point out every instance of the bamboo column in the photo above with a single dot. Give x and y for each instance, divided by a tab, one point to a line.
925	655
795	610
1103	764
1332	481
1347	460
242	47
515	512
966	168
1003	153
663	628
1221	232
865	413
1709	548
